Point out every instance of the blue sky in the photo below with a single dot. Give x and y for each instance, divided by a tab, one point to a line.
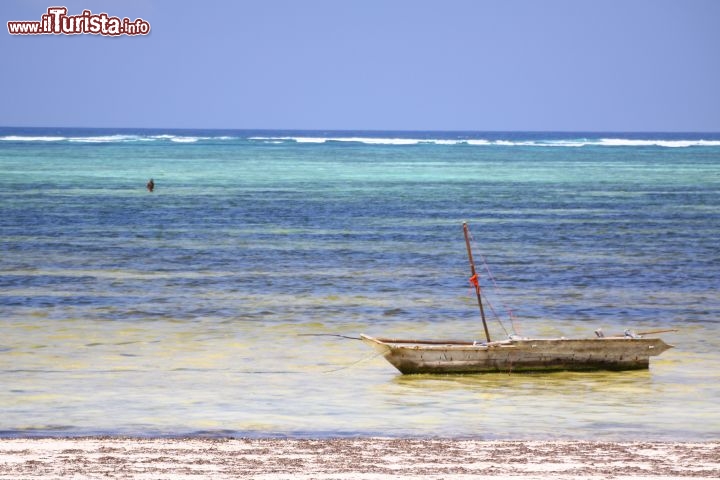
372	64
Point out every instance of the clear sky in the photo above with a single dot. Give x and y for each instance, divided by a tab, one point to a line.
605	65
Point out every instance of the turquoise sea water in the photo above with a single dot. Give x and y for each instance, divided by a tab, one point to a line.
195	309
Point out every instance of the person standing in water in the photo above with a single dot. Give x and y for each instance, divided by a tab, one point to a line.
150	185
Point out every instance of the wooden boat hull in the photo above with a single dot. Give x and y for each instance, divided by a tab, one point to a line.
526	355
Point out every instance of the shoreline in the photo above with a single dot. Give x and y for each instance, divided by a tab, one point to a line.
352	458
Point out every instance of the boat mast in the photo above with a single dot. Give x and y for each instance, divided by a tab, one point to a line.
474	279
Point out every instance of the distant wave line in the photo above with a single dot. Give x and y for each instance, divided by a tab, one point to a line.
111	138
602	142
375	140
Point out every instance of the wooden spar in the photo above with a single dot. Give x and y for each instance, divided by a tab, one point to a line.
424	342
654	332
474	280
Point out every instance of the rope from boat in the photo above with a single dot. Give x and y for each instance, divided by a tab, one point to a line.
354	364
498	290
327	335
475	281
497	317
509	311
343	367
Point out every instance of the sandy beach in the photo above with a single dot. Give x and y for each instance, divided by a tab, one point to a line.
366	458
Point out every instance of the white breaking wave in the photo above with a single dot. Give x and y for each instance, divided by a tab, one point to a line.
181	138
119	138
19	138
623	142
188	139
305	139
365	140
105	139
381	141
608	142
599	142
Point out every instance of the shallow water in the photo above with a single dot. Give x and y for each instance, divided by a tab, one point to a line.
194	309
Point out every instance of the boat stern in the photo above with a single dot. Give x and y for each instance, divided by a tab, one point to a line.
658	346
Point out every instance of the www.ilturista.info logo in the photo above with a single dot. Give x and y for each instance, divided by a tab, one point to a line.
56	21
